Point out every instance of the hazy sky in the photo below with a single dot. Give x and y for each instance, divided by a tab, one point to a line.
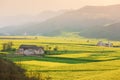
17	7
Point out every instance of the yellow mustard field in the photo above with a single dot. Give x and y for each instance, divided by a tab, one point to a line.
76	59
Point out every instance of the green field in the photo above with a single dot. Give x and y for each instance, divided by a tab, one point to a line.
76	59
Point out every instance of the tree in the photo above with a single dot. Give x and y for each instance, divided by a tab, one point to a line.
7	46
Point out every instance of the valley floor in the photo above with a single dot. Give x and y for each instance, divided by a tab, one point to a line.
76	59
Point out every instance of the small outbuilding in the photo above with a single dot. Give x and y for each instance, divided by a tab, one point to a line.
30	50
101	43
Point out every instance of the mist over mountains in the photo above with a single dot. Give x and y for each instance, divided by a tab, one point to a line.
27	19
89	21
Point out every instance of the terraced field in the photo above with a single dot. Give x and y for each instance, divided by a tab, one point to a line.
76	59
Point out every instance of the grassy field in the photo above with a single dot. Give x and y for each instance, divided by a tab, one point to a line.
76	59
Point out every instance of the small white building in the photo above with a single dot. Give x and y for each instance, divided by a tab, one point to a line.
101	43
30	50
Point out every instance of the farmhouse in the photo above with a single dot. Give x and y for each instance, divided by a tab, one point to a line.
30	50
101	43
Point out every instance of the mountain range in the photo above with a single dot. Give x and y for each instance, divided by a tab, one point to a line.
89	21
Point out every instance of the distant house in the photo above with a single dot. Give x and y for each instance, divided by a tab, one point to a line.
30	50
101	43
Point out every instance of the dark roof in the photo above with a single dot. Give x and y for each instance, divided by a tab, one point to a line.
28	46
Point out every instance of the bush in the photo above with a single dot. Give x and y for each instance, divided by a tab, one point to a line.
13	49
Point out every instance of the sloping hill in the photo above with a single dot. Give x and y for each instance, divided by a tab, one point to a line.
10	71
108	31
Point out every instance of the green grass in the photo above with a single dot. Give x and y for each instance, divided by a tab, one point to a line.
75	60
